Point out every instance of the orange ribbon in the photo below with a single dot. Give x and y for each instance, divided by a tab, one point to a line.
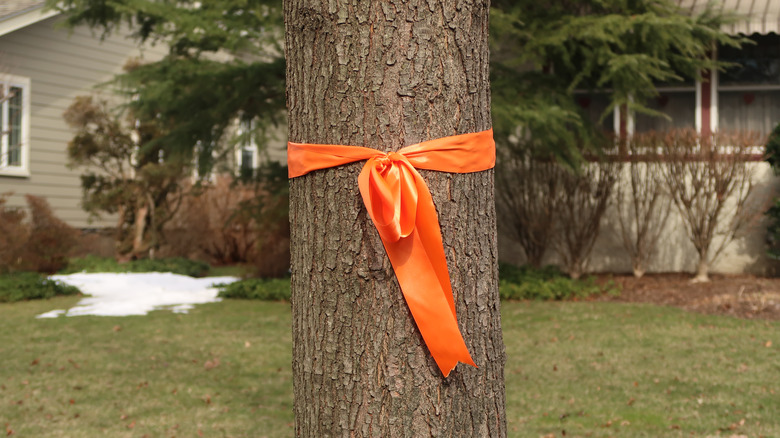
402	209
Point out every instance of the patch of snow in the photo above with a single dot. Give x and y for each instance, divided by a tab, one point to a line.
137	293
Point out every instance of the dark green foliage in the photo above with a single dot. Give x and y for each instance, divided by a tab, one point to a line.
176	265
21	286
267	289
541	52
773	150
547	283
191	93
516	283
773	229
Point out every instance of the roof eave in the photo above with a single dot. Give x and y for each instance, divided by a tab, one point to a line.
24	19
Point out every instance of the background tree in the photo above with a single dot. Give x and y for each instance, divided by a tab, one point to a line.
385	75
125	173
641	203
528	190
583	199
543	51
711	181
544	55
225	63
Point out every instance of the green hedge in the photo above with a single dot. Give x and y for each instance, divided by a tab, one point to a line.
548	283
516	283
177	265
267	289
21	286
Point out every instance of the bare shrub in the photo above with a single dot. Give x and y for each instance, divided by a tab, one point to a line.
50	240
641	203
209	224
711	183
14	233
583	199
527	190
234	222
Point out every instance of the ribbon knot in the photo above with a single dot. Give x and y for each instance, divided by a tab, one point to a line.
402	209
393	192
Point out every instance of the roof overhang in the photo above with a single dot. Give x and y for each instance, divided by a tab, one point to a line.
753	16
24	18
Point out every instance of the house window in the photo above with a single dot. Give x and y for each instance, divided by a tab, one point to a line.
247	154
679	103
594	105
15	126
749	93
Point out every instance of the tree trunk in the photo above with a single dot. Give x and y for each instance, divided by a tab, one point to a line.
139	229
386	75
702	270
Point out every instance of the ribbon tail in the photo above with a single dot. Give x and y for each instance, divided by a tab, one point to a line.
421	269
427	302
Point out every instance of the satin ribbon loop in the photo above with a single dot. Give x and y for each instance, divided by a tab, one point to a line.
401	207
391	199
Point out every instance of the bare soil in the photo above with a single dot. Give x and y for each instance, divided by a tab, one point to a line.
741	296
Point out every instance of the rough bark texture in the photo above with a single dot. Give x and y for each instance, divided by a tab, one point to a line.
385	75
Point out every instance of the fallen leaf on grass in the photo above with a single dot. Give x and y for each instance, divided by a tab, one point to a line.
35	361
631	401
768	344
211	364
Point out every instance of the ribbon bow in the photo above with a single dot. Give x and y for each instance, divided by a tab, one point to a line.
401	207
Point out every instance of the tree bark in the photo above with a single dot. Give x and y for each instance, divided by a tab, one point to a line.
386	75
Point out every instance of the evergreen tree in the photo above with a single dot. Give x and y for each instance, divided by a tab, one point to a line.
543	51
225	62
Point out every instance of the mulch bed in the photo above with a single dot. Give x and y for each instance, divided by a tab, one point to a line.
741	296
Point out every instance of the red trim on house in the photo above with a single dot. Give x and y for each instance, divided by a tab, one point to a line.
706	103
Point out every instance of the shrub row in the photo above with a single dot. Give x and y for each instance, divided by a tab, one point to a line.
177	265
547	283
21	286
266	289
516	283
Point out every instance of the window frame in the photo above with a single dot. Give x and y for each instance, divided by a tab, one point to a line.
246	143
23	169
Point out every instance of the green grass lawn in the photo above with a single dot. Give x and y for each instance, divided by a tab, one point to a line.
589	369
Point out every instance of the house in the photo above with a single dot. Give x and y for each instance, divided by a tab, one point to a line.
42	68
745	98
